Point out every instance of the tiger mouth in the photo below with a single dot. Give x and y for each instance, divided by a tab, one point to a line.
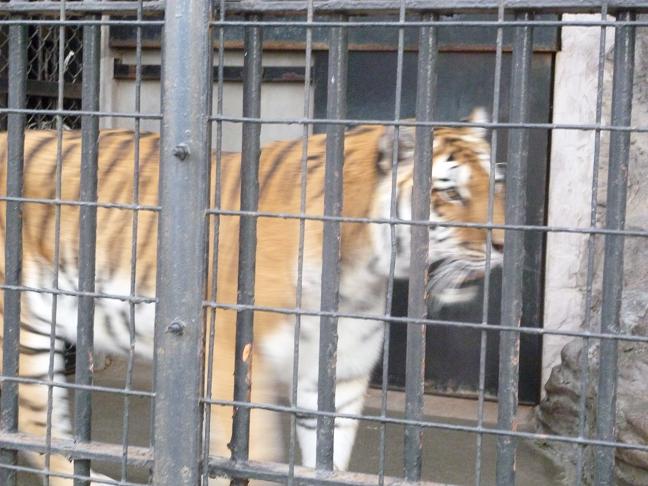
469	278
454	280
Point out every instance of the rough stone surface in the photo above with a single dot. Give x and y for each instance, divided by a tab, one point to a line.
559	411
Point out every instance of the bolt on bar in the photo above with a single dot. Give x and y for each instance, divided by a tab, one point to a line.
13	242
252	73
87	244
617	185
516	179
186	81
419	244
333	185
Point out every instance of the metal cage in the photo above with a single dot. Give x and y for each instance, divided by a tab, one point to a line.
186	310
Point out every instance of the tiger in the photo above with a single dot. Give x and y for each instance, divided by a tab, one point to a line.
460	190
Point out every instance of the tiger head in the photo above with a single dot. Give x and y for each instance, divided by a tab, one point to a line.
461	174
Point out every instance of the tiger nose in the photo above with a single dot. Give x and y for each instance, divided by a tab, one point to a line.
497	246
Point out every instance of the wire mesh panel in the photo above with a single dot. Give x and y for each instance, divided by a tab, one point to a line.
222	306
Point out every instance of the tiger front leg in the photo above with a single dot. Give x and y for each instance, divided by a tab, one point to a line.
43	406
349	399
359	347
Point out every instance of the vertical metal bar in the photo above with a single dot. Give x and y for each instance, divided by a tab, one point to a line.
393	213
419	244
184	181
591	242
252	72
335	109
134	232
87	243
58	181
624	50
303	180
213	291
13	242
497	79
516	176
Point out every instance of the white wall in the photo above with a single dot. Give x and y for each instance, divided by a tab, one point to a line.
278	99
570	187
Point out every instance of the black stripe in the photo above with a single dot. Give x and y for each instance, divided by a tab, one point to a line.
47	217
360	129
235	195
118	231
28	327
276	163
122	149
31	351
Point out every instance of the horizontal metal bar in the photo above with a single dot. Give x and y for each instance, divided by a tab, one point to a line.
349	122
412	123
116	114
531	329
439	6
78	293
112	8
495	24
93	450
448	224
75	386
78	22
321	6
271	471
343	219
429	424
70	202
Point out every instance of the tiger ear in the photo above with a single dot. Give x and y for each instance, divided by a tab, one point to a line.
406	142
479	114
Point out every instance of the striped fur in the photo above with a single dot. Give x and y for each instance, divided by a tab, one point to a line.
460	192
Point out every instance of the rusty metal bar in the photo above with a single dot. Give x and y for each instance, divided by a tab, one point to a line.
252	69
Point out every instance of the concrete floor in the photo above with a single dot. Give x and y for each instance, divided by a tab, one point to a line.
449	456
